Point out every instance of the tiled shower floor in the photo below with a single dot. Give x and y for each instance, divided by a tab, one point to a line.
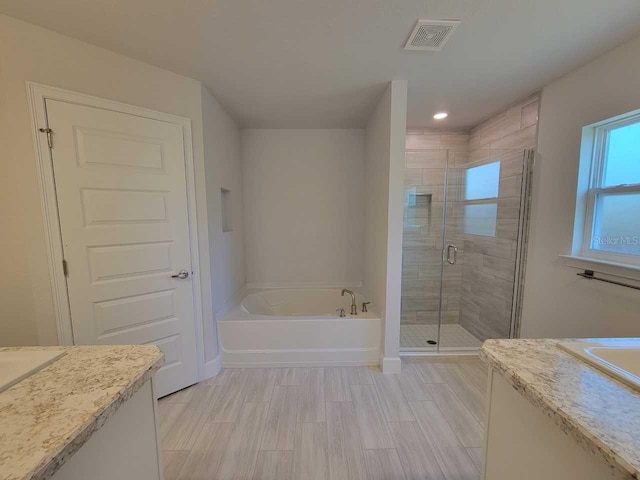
452	337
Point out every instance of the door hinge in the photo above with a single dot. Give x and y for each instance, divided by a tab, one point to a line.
48	131
65	268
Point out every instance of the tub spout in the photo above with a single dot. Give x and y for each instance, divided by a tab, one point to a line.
354	307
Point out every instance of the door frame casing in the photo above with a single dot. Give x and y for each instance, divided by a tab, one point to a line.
37	94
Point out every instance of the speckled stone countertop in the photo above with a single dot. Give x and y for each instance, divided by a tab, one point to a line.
47	417
600	413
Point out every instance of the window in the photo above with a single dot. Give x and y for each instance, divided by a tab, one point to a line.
611	225
481	219
481	187
482	182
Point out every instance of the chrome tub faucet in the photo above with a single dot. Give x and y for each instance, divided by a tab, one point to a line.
354	307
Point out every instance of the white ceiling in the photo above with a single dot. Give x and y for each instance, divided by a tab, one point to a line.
324	63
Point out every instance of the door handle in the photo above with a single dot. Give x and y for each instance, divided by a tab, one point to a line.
182	274
454	259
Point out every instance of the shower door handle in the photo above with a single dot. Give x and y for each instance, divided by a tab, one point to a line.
451	260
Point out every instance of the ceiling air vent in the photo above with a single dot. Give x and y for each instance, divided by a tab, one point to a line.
431	35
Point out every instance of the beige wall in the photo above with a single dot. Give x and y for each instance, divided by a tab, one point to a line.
377	203
223	169
557	303
31	53
303	201
384	164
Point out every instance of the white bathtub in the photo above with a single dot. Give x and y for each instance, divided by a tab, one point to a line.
299	327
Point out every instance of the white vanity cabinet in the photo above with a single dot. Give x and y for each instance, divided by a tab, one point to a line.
525	444
126	447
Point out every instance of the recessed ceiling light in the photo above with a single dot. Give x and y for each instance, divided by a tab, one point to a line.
441	115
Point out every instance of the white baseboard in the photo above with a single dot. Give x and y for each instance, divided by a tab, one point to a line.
391	365
212	368
346	283
295	364
299	358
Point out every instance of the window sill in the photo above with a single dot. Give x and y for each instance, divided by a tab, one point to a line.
632	272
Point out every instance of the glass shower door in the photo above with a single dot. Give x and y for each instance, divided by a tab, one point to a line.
484	221
463	249
423	233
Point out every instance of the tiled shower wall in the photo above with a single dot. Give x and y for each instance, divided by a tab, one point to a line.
478	290
425	163
489	263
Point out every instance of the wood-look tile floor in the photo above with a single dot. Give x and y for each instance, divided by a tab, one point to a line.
337	423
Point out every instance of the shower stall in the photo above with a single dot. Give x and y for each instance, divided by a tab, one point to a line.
465	229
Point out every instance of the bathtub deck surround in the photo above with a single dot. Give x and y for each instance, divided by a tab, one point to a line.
580	415
52	422
300	327
338	423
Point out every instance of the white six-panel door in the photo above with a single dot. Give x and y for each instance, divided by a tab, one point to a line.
121	192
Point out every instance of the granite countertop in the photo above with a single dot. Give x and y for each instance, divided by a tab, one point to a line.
602	414
47	417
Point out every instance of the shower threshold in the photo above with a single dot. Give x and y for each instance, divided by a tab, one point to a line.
416	338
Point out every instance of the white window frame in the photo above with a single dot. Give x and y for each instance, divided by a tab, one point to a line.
595	138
